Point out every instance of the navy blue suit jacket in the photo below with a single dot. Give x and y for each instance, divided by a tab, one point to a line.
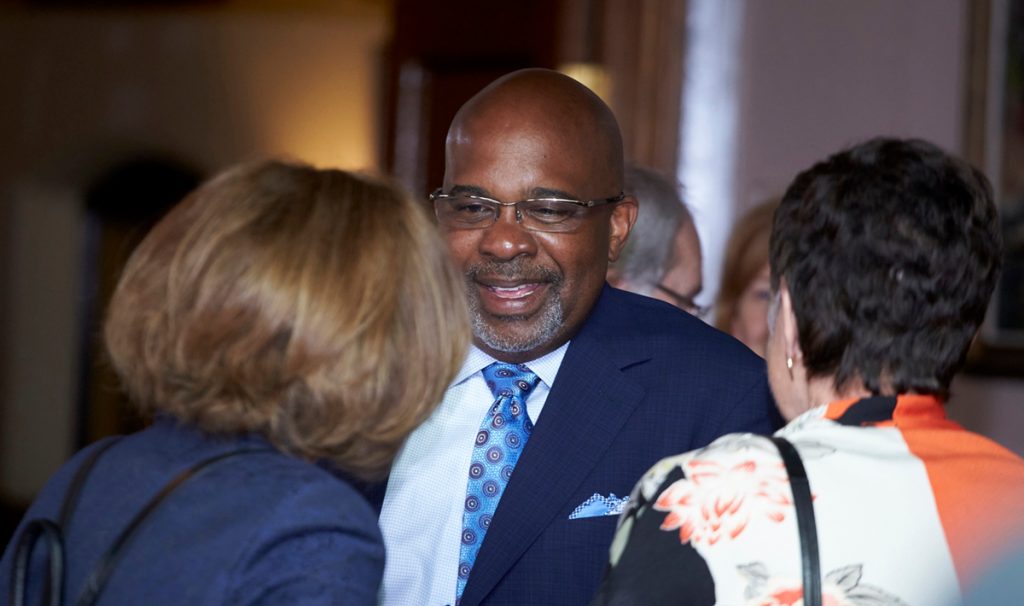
640	381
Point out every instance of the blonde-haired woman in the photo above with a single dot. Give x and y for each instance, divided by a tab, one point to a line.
288	327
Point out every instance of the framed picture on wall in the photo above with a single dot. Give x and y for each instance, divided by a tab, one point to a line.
994	141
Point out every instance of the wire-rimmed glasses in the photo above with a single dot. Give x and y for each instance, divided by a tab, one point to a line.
550	214
686	302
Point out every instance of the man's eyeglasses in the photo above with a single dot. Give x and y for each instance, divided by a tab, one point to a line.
686	303
469	211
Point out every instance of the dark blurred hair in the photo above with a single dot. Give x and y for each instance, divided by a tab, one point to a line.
891	251
316	307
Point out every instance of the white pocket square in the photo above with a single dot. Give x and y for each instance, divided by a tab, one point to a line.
598	505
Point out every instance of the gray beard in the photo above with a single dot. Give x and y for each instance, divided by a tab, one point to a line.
547	324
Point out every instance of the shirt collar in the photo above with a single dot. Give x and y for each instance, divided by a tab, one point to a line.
546	367
882	409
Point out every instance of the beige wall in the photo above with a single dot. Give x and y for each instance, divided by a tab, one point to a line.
85	89
809	77
822	74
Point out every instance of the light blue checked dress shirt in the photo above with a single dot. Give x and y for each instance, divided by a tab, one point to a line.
422	515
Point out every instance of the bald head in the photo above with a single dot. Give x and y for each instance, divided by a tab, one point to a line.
534	134
528	104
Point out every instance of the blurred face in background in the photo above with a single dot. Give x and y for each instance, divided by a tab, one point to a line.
750	322
683	280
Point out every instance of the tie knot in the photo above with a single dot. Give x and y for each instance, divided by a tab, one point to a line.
510	380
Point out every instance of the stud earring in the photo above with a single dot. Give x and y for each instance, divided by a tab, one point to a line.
789	366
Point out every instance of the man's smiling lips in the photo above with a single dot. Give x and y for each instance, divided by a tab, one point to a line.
503	297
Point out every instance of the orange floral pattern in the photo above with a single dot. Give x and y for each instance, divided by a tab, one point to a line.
729	506
719	497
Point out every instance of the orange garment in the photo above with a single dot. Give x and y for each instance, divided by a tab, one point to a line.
978	485
910	508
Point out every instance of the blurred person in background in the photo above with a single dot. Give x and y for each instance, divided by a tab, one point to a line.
662	257
742	306
883	259
267	322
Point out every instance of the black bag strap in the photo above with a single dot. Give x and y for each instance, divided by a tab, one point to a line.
101	574
71	497
801	488
98	579
51	532
54	584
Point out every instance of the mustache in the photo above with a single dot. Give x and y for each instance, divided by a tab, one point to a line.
516	269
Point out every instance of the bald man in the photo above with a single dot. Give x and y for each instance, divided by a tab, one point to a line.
509	493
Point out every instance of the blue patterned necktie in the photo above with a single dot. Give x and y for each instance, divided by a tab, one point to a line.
502	436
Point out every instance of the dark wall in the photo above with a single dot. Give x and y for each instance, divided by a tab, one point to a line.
442	54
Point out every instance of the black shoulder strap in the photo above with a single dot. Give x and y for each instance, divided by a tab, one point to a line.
71	497
53	533
54	584
98	579
801	488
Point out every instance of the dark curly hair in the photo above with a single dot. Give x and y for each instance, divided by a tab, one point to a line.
890	251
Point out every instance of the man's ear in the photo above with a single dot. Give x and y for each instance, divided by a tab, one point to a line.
621	221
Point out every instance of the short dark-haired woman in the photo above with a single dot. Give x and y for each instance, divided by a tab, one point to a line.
883	258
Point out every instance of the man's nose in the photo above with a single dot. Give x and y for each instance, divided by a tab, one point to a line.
507	238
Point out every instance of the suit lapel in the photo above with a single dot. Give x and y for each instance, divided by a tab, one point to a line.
588	404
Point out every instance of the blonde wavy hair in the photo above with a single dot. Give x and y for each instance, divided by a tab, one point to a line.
315	307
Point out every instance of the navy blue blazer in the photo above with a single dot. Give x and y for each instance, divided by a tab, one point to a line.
641	380
262	528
